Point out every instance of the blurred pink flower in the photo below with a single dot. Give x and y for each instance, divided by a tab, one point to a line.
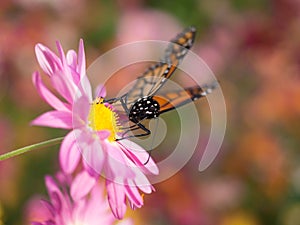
94	129
64	208
155	25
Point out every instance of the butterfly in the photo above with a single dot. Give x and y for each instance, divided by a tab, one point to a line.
144	101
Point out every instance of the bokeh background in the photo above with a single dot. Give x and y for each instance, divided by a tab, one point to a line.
252	46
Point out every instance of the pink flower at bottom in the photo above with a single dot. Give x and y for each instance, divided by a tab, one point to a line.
66	208
94	130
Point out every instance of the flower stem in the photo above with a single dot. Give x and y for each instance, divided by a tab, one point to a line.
20	151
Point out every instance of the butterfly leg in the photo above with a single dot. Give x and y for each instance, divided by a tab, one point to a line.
111	101
135	127
149	156
130	127
147	132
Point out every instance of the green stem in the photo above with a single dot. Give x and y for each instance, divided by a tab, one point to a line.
30	148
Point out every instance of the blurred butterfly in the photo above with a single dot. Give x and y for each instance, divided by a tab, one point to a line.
143	102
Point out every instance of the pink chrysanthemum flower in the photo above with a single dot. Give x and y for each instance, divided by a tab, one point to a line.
64	208
94	128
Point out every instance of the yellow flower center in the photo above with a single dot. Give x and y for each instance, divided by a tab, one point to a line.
102	117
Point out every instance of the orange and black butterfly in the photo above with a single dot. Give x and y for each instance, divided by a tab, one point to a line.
143	102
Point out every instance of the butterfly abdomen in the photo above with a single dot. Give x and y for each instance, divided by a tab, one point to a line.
144	108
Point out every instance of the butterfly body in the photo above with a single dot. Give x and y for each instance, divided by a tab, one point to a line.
144	108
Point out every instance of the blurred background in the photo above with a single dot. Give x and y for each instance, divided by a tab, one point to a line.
253	48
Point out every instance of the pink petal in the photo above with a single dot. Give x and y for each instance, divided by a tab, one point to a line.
54	193
103	134
72	59
61	54
97	207
81	109
36	223
48	61
59	201
46	94
47	207
81	70
97	193
86	87
55	119
142	183
89	169
100	91
140	180
66	68
72	64
134	196
93	153
51	184
69	154
116	168
116	199
79	210
82	185
139	156
144	187
65	86
63	178
81	60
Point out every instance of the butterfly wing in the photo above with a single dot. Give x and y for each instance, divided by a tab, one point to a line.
174	99
155	76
